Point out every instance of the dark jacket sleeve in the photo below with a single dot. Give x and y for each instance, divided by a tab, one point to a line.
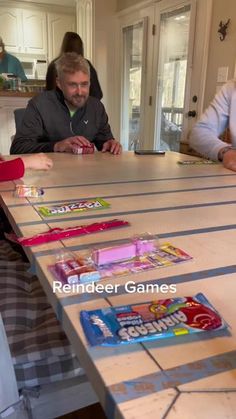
30	137
51	76
10	170
95	88
104	133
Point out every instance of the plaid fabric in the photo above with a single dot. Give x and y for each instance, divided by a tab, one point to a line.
40	349
7	253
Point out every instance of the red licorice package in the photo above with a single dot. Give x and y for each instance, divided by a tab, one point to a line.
65	233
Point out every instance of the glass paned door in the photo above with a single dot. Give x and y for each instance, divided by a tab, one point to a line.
133	61
172	71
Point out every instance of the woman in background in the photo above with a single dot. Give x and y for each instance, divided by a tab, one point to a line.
10	64
73	43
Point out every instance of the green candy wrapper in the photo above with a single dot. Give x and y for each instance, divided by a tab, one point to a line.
77	206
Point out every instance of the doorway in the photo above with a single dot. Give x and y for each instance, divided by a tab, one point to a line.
173	58
164	60
133	62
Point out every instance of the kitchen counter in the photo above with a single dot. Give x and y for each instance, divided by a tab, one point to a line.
16	93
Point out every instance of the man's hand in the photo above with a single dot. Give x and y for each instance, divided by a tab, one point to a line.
113	146
37	161
229	160
66	146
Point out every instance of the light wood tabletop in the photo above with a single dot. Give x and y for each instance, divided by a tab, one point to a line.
192	207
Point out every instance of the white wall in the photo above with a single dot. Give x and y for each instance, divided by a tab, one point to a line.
221	53
123	4
105	56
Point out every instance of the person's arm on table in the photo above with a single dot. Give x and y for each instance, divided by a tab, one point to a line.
15	169
66	146
204	137
227	155
113	146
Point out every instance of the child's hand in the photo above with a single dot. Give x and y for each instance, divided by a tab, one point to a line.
37	161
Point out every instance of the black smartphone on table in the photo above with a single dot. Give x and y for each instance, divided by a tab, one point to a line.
150	152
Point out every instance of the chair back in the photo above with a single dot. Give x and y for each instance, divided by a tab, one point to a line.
18	115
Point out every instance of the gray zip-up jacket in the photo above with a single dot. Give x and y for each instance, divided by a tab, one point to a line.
218	116
47	120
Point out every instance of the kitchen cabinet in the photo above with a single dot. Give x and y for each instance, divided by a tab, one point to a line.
34	32
23	31
11	28
58	24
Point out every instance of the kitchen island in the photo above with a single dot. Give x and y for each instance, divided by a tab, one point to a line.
9	101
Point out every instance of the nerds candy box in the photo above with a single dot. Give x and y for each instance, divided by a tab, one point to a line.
152	320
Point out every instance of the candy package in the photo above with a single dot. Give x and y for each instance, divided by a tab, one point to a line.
71	270
58	233
196	162
152	320
135	255
82	205
27	191
83	149
135	247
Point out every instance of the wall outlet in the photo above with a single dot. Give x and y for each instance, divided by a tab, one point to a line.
222	74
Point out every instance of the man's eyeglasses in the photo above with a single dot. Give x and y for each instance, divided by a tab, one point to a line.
83	85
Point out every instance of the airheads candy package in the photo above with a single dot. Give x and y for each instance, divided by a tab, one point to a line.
152	320
82	205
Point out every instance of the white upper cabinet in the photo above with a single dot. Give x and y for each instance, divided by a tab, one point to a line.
11	28
34	32
58	25
23	31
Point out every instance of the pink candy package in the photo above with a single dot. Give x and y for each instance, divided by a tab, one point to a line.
138	246
134	255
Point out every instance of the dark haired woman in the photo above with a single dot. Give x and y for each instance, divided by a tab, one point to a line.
73	43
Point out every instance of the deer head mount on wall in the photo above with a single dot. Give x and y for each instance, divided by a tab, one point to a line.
223	29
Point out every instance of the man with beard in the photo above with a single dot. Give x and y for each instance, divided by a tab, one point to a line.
63	119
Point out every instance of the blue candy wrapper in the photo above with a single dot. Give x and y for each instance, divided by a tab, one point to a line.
157	319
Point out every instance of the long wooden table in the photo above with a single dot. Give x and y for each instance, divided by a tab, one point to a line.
194	208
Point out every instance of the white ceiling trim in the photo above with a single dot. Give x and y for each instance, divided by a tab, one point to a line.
64	3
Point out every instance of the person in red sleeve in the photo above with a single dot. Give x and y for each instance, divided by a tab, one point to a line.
15	169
